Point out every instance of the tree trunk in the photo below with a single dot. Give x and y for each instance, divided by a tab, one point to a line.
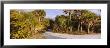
70	22
71	29
92	29
81	26
78	27
88	28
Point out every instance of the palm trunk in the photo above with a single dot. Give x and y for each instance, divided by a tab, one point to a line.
92	29
81	26
70	22
71	29
78	27
88	31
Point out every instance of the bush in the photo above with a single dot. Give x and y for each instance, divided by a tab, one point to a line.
23	25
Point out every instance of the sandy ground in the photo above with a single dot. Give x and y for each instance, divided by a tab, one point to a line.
50	35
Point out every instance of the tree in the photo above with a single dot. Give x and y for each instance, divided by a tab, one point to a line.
81	17
89	18
61	21
51	24
75	15
19	25
39	18
70	13
26	24
40	14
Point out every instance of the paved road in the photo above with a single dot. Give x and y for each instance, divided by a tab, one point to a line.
50	35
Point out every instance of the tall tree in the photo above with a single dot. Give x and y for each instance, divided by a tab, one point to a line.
40	14
89	19
69	13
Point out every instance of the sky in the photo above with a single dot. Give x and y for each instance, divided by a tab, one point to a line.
52	13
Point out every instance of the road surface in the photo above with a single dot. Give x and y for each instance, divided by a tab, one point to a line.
51	35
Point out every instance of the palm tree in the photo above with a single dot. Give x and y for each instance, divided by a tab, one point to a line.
89	19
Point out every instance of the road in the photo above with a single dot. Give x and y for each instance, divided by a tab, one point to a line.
51	35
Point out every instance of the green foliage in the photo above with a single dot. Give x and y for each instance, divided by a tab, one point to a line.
40	13
61	20
25	24
77	21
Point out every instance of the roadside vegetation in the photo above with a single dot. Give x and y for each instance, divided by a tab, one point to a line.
77	22
32	25
27	24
